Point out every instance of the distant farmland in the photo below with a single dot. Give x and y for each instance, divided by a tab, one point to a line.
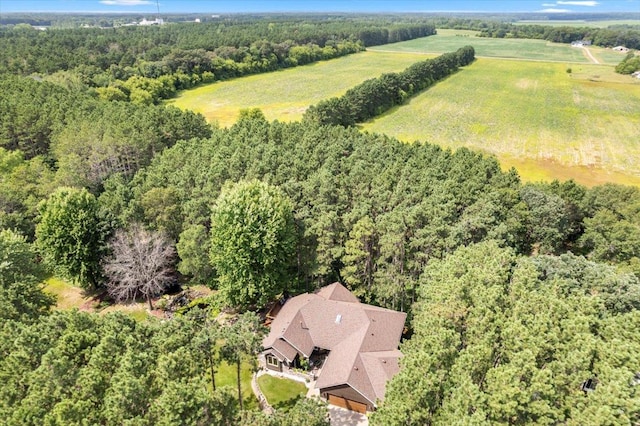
540	50
285	95
534	116
531	114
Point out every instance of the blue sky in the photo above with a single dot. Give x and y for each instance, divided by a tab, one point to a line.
230	6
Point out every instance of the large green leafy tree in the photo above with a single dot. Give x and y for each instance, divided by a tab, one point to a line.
70	235
252	242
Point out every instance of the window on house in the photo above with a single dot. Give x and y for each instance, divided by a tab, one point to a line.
272	360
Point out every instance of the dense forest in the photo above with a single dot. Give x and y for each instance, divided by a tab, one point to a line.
518	295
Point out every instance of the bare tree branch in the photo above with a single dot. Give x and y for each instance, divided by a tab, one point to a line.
141	263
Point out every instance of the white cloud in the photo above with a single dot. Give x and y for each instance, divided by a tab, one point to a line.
125	2
553	10
580	3
549	4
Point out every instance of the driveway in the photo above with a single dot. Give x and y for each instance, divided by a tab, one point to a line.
343	417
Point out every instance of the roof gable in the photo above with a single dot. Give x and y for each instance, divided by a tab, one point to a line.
337	292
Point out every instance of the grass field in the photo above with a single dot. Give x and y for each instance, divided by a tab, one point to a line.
226	376
534	116
69	296
286	94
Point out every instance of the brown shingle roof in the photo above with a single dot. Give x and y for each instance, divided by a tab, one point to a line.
338	292
284	349
362	339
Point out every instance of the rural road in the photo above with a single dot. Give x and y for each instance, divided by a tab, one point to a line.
590	56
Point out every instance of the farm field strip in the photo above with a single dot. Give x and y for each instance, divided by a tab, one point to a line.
286	94
534	116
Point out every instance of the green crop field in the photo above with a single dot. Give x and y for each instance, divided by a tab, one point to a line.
534	116
450	40
285	95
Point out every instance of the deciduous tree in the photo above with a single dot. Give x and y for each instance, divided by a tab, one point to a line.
252	242
70	235
141	263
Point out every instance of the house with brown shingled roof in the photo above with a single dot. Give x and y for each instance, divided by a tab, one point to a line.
354	345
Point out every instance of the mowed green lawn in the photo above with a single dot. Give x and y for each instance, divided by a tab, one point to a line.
534	116
286	94
281	393
451	40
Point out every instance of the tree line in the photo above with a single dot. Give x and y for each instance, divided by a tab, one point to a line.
629	65
147	64
53	136
377	95
605	37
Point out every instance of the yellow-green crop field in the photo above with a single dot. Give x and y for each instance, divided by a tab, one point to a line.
531	113
534	116
285	95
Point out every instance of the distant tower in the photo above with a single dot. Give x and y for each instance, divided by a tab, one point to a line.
159	20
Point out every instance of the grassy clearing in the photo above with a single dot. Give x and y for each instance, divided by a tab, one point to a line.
286	94
226	376
451	40
534	116
281	393
607	56
67	296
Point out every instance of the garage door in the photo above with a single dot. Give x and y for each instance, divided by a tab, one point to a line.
349	404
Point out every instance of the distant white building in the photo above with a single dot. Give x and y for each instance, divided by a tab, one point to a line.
620	49
157	21
581	43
